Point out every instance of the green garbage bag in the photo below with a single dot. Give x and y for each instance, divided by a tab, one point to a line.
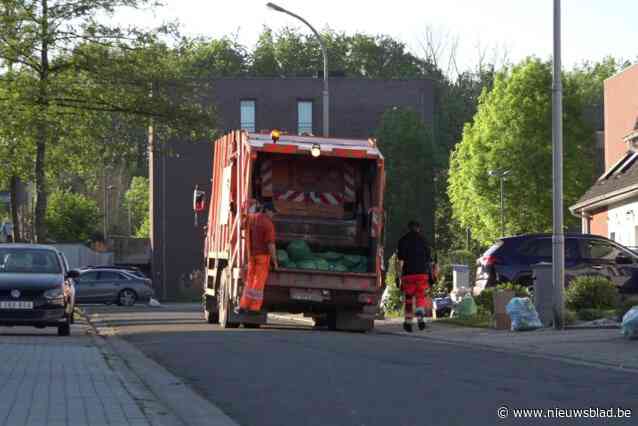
306	264
289	264
466	308
351	260
322	264
338	267
299	250
330	256
362	267
282	256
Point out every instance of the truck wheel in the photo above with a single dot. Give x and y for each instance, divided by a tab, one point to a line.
211	317
350	321
331	320
211	309
225	305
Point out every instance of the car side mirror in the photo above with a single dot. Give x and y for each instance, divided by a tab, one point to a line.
73	274
623	259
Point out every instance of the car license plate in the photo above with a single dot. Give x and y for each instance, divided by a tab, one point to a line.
15	305
306	295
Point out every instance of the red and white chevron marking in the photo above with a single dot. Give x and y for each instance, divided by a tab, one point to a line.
266	177
323	198
349	185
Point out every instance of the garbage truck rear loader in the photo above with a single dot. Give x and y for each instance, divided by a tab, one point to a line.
328	197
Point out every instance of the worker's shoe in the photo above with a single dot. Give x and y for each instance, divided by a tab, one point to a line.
407	326
422	324
420	317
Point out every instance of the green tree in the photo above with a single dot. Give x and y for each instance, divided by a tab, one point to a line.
213	58
264	58
137	200
71	217
408	148
75	67
512	131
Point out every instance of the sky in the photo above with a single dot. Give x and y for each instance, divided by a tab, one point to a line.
592	29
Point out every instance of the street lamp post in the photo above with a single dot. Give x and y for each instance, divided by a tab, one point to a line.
324	51
558	236
107	189
501	176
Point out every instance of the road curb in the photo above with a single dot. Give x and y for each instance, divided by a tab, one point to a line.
165	398
537	355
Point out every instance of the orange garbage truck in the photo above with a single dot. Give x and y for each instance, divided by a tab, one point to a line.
327	195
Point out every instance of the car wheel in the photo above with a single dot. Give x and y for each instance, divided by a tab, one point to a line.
65	329
127	297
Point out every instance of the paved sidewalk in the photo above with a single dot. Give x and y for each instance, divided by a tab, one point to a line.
598	347
51	380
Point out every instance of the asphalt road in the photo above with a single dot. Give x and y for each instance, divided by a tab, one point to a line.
287	374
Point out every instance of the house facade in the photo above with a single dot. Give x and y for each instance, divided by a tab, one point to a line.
293	105
610	207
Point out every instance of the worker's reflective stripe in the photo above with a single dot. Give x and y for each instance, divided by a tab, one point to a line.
252	293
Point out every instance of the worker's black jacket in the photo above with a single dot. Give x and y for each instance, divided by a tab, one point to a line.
415	254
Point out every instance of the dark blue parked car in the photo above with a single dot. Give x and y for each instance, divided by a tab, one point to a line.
511	259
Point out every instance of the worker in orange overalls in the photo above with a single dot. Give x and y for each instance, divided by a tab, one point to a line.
262	250
413	256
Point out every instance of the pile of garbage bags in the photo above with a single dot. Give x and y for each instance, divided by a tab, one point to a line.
466	308
630	323
298	255
523	314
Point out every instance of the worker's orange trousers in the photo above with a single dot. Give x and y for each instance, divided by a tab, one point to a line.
414	288
253	295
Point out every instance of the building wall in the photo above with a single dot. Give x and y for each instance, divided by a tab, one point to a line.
621	112
623	222
598	224
356	106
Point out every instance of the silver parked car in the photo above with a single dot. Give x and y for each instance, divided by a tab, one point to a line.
105	285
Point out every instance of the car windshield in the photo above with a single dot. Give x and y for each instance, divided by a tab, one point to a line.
28	261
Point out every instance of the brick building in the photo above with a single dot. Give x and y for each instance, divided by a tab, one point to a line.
610	207
255	104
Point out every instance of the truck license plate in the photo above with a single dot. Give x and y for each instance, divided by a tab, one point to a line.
15	305
306	295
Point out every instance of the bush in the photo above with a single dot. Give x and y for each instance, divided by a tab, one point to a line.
486	298
570	317
71	217
393	302
594	314
591	292
624	307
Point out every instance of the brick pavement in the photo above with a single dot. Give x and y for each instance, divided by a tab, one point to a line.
56	381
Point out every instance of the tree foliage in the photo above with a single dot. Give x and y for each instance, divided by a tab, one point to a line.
71	217
70	74
512	131
410	160
137	200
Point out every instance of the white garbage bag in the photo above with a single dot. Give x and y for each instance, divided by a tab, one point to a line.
523	314
630	323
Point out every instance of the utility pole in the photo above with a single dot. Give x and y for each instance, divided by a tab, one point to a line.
558	236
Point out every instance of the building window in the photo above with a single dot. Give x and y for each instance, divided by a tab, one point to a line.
304	117
247	115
